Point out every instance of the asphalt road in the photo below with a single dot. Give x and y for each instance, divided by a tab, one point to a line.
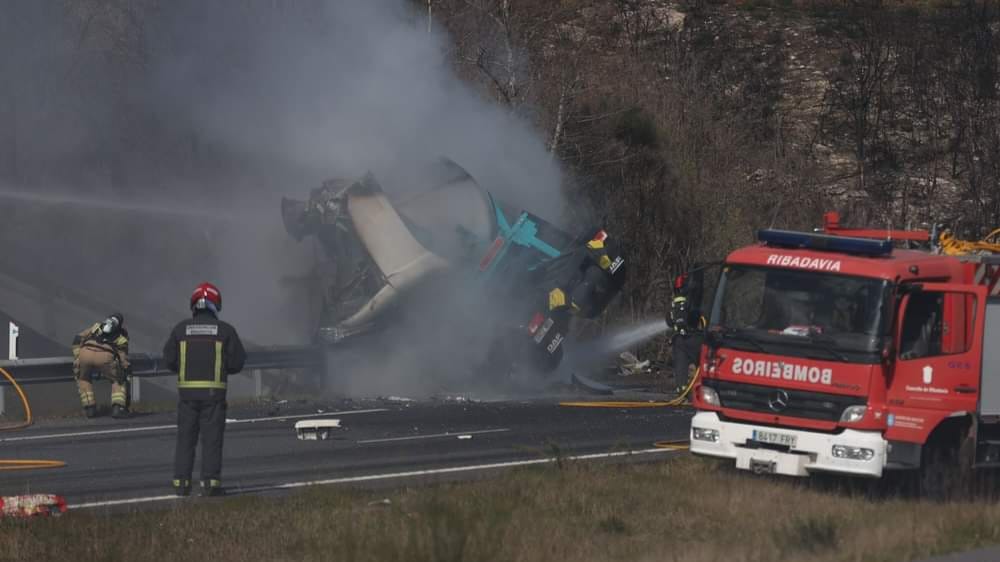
111	462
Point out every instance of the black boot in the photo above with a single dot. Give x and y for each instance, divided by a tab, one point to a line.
118	411
211	488
90	411
182	487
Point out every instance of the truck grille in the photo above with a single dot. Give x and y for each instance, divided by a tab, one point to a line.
799	403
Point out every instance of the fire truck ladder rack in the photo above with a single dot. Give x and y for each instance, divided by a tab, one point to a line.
945	241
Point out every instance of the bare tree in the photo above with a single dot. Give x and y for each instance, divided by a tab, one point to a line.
862	87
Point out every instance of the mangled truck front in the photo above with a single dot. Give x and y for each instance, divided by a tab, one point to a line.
379	252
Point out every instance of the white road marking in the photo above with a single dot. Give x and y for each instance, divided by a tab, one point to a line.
174	426
301	416
458	434
87	433
388	476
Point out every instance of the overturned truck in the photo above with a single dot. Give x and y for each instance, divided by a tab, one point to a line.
381	251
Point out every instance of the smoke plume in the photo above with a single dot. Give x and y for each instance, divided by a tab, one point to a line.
145	145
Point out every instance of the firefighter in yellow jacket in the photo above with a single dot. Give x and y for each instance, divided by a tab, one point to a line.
102	348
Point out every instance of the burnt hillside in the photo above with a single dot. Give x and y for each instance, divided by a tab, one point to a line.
691	124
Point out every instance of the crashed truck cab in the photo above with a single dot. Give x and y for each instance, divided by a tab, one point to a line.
380	249
377	250
829	353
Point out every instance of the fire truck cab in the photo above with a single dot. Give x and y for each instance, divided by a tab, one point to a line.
838	352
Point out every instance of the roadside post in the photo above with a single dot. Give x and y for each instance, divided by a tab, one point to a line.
12	333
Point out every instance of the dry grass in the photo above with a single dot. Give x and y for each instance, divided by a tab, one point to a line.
686	510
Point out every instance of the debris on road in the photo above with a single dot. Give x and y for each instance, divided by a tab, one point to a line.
629	364
316	430
457	398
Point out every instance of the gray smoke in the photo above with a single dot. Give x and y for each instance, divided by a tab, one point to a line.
221	108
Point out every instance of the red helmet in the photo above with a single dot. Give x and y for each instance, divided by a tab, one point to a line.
204	295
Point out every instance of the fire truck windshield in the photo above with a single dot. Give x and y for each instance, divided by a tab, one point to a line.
805	313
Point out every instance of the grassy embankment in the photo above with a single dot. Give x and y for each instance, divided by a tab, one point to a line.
685	510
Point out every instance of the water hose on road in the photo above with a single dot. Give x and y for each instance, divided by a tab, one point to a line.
20	464
677	445
28	420
673	403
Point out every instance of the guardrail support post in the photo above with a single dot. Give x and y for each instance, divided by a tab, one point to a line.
12	333
134	386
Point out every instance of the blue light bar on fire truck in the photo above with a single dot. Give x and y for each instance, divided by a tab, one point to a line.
825	242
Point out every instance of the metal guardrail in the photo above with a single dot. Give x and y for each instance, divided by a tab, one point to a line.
59	369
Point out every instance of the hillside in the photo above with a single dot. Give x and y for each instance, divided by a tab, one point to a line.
691	124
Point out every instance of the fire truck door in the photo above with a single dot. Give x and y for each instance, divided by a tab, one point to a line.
989	402
939	344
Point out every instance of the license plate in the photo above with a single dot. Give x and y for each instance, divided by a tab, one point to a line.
774	438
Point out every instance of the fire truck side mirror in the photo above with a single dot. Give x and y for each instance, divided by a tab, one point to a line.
894	345
888	351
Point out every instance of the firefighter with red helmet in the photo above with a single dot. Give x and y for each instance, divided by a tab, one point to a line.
102	348
203	351
688	325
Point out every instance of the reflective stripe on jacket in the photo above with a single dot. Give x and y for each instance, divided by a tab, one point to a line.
203	351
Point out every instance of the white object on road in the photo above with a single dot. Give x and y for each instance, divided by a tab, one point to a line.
313	430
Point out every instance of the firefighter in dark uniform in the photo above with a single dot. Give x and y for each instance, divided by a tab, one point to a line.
203	351
688	336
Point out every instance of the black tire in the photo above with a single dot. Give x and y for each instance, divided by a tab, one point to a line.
933	478
946	472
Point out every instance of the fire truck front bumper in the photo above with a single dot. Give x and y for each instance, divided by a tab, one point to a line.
770	450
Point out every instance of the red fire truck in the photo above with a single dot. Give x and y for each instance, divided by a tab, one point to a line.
836	351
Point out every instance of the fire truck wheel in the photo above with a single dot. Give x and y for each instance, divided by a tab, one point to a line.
946	470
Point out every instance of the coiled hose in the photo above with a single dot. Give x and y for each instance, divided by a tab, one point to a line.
954	247
20	464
